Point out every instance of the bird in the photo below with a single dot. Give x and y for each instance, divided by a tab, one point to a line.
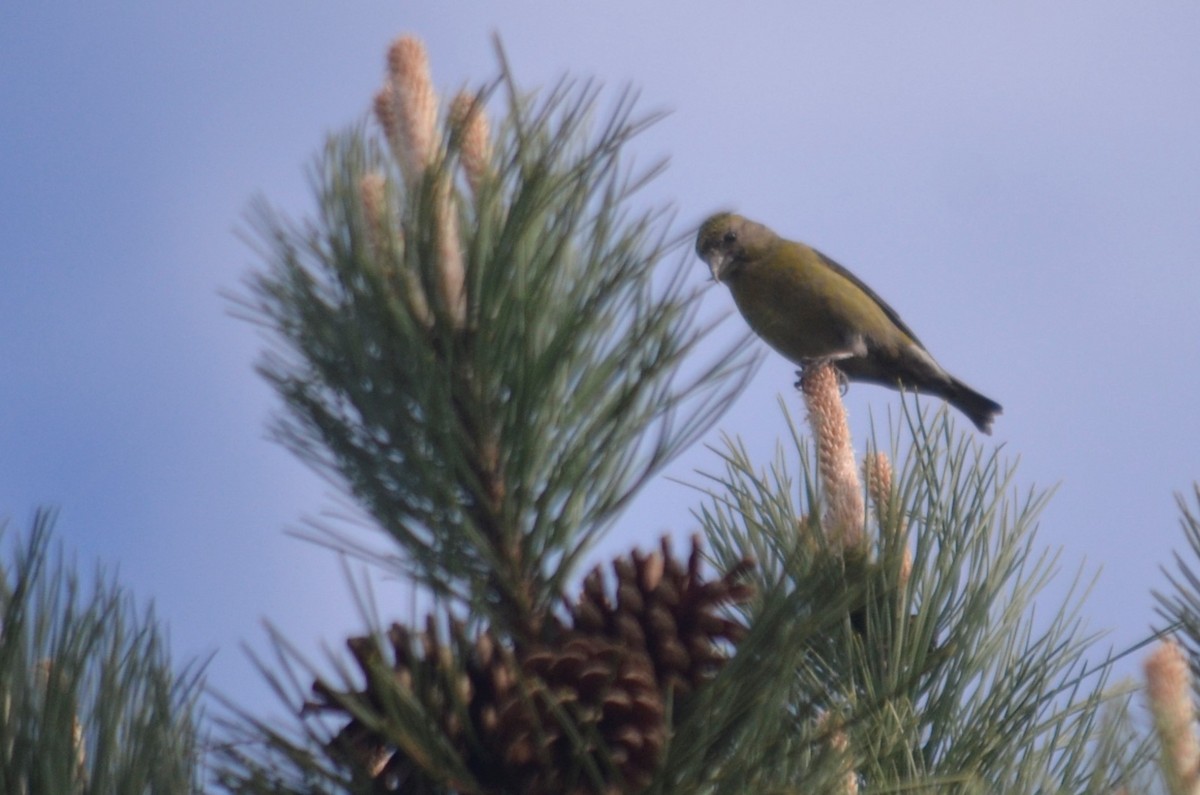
811	309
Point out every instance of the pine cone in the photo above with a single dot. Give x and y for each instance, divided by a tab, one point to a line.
591	720
511	722
583	711
458	684
668	610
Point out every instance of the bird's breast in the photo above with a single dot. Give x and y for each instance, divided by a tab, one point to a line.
789	312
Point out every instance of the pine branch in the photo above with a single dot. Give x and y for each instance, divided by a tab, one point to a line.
476	337
89	701
494	442
481	338
1180	607
931	662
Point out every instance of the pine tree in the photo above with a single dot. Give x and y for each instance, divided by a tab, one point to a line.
485	343
1171	668
89	700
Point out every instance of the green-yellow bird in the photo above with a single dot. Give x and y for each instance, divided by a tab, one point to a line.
809	308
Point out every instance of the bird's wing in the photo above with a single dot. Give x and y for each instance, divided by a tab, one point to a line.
887	310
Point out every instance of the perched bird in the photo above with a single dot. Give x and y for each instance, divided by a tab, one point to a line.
811	309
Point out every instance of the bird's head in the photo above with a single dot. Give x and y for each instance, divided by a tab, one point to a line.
726	241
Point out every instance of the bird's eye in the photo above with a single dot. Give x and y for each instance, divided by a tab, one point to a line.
730	237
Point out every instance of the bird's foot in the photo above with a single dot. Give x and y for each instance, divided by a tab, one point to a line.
814	364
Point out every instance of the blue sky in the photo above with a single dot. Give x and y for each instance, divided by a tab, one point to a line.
1021	182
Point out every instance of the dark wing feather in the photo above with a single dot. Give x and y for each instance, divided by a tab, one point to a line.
887	310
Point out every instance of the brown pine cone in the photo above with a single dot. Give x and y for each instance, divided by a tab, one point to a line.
667	609
581	712
591	720
457	684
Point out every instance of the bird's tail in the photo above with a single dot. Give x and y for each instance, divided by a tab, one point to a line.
979	409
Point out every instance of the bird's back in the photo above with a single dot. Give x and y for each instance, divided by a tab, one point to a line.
807	306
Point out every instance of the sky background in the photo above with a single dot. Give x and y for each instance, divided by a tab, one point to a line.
1021	181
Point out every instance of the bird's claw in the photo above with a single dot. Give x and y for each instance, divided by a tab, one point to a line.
843	381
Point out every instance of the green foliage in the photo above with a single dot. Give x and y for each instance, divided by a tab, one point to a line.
272	757
494	441
89	701
1180	606
493	453
941	679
